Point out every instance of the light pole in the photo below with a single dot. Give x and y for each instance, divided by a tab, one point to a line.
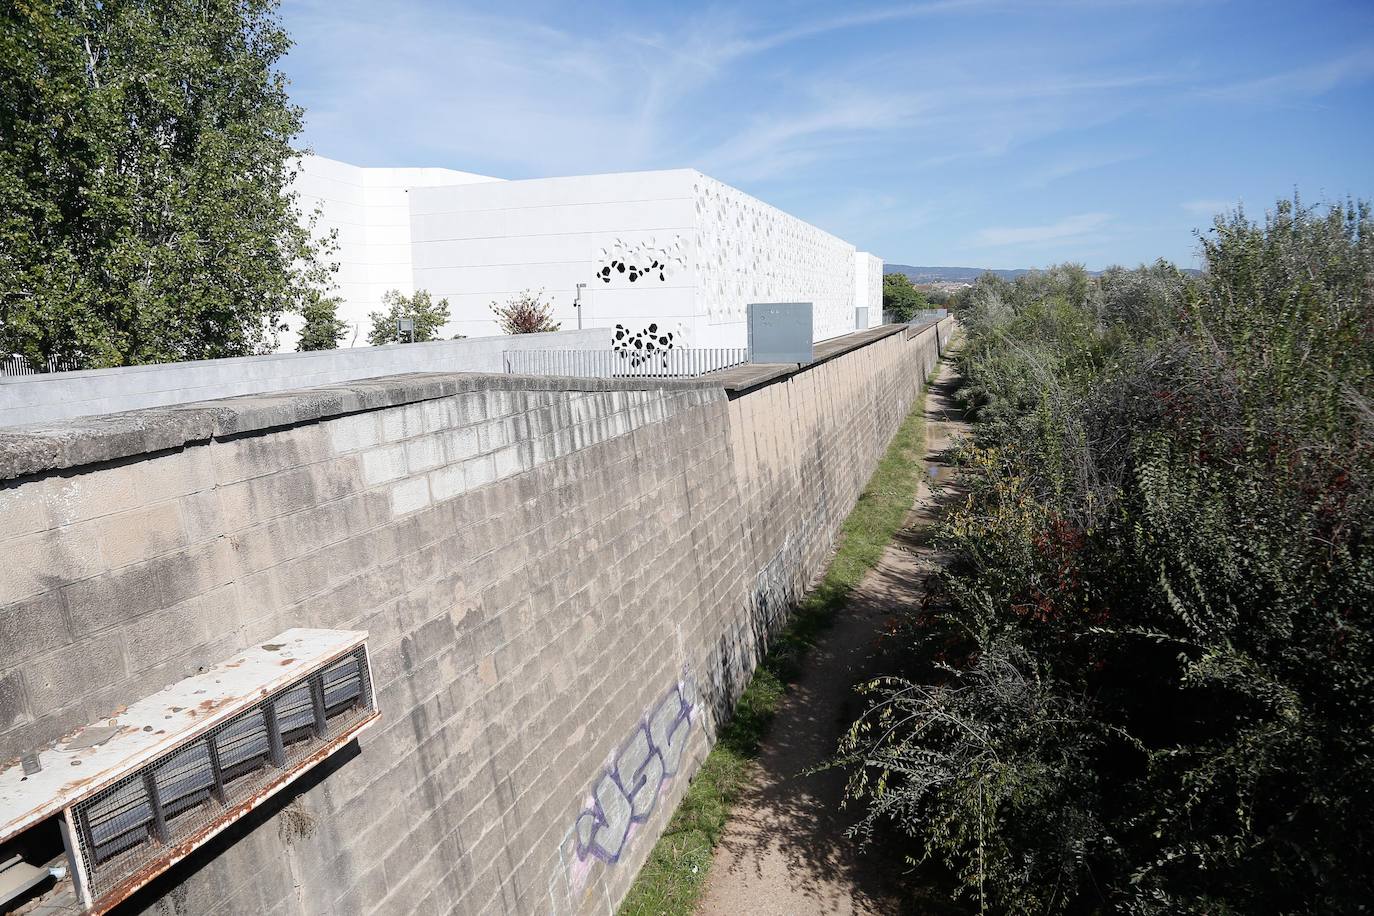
577	303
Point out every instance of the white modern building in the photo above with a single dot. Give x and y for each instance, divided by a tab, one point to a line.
676	248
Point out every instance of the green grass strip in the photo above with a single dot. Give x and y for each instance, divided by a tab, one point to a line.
672	879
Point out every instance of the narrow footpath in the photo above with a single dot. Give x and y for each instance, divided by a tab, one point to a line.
784	852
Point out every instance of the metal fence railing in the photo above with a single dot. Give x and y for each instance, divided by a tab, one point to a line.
919	317
678	363
19	365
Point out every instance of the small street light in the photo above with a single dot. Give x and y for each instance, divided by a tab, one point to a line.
577	303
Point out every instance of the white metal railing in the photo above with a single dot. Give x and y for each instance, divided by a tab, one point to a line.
19	365
919	317
676	363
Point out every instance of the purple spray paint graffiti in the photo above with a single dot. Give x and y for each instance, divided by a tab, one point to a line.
627	791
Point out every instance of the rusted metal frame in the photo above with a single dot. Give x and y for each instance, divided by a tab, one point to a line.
276	751
113	896
317	702
159	823
216	770
74	825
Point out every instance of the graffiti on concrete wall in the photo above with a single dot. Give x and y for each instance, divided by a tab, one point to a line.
629	787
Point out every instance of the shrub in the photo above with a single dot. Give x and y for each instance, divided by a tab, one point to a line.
429	316
1144	683
525	314
323	328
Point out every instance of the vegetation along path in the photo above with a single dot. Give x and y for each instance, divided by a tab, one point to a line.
784	851
758	833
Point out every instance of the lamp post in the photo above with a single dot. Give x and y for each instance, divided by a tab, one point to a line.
577	303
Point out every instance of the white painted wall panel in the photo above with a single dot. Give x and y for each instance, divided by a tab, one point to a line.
868	286
473	240
370	209
561	219
749	251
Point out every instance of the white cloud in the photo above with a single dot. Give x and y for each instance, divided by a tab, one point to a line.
1070	227
1301	82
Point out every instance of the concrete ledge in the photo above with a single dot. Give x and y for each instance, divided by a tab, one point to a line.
741	379
838	346
40	448
45	447
57	396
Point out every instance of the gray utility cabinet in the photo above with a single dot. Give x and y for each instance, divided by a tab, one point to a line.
780	332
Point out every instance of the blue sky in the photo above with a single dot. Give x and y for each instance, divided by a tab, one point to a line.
954	132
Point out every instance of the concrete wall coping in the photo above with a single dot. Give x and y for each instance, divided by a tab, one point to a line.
46	447
748	377
52	397
41	448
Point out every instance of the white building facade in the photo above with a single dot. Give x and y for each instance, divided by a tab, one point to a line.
673	248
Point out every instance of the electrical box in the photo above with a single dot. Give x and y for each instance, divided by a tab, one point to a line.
780	332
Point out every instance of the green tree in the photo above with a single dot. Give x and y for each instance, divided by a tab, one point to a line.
526	313
901	298
145	154
429	316
323	328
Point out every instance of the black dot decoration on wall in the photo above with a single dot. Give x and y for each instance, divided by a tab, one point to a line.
639	348
630	260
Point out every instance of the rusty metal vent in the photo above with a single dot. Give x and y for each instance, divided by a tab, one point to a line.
135	827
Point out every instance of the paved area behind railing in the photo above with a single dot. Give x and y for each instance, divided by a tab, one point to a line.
53	396
629	363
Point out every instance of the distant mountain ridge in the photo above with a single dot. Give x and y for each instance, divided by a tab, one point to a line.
969	274
949	274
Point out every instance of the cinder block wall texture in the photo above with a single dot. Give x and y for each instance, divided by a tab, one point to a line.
565	584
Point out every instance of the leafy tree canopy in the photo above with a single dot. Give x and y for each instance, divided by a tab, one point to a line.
901	298
429	316
323	328
144	154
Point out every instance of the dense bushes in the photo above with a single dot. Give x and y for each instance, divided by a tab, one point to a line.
1145	683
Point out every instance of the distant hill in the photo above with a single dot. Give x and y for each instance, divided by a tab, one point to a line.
968	274
948	274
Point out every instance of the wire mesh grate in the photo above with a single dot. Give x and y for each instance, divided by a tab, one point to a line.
133	823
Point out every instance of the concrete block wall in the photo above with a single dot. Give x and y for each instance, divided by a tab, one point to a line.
565	584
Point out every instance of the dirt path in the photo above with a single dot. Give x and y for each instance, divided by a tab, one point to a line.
784	852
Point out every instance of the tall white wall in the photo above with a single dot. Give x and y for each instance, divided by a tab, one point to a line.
370	209
477	244
749	251
717	249
868	286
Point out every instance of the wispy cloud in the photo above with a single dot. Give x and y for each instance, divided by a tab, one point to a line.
1077	164
1070	227
879	122
1304	82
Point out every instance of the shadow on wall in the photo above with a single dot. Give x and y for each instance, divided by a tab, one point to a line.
167	892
